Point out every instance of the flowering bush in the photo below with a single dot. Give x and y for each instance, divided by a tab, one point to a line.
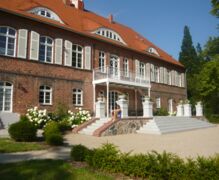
172	114
79	117
38	117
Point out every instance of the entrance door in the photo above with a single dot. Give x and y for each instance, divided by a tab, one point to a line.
114	66
113	97
5	97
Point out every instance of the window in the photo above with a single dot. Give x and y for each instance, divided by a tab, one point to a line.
126	67
46	49
7	41
5	96
156	74
77	97
77	56
102	61
142	70
45	95
108	33
158	103
153	51
41	11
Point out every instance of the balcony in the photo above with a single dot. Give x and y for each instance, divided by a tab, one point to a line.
116	76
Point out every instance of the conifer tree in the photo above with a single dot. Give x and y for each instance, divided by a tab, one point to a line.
188	55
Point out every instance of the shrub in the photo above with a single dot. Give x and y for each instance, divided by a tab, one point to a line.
79	153
161	112
38	117
64	125
52	134
24	118
54	139
23	131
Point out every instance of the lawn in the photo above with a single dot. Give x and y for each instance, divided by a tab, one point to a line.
46	170
8	146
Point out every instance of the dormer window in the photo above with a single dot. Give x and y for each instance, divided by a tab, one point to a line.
41	11
110	34
153	51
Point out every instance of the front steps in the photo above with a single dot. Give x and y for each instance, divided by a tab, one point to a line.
166	124
7	118
89	130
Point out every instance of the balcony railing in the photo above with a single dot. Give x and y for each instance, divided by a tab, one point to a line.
123	77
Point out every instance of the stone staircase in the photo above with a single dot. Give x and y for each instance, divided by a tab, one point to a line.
166	124
89	130
6	119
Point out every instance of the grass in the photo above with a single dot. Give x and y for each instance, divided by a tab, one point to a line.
46	170
8	146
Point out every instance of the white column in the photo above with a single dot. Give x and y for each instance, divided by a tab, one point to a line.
147	108
94	97
107	99
179	110
123	103
100	108
187	110
199	109
149	92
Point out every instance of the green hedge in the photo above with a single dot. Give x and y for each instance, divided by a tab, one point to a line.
53	134
153	165
22	131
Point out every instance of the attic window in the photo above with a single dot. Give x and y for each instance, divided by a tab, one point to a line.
153	51
110	34
41	11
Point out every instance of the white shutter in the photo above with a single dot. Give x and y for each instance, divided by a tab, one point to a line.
148	71
22	43
58	51
137	66
161	74
165	75
183	79
68	53
172	77
176	78
34	45
87	57
152	72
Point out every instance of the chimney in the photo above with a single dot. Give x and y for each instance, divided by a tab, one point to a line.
111	18
78	4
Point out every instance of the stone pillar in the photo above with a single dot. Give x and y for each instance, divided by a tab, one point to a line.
100	108
147	108
199	109
123	103
187	110
179	110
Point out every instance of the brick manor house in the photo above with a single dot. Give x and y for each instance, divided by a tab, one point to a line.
56	51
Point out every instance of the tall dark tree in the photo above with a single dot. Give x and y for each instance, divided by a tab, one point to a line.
199	49
188	55
215	8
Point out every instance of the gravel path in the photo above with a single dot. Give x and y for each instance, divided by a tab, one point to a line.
203	142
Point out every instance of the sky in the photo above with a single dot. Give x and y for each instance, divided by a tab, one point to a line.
162	21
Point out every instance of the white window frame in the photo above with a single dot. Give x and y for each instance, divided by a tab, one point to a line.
77	52
102	61
77	93
156	74
158	102
110	34
7	35
126	67
44	91
46	44
142	70
39	10
5	87
169	82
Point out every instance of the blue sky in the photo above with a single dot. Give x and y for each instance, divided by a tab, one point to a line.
161	21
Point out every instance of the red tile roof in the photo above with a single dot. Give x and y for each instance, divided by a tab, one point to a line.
85	22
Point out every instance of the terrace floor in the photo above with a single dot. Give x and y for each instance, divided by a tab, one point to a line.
203	142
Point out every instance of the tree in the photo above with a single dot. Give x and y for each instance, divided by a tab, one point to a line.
199	49
211	48
215	8
188	55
